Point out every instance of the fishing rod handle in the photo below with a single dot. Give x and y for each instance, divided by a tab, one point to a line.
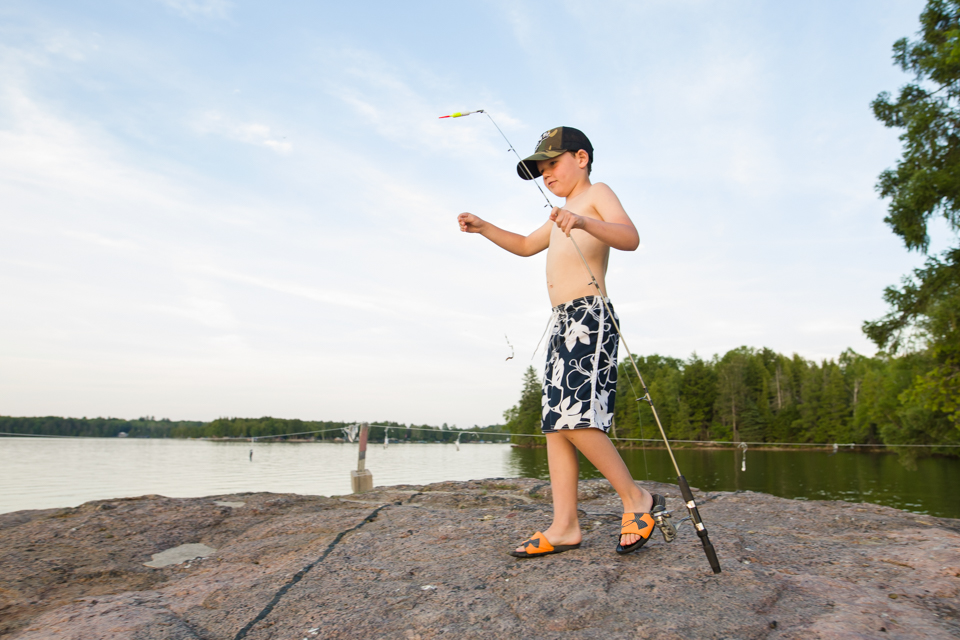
691	505
709	550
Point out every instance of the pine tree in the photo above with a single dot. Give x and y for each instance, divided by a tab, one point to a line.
524	417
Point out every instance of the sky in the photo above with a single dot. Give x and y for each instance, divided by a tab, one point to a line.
216	208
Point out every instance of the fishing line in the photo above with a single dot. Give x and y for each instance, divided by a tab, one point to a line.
690	503
643	446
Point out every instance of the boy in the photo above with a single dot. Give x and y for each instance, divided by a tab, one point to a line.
580	378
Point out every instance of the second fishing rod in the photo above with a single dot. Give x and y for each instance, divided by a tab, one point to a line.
668	530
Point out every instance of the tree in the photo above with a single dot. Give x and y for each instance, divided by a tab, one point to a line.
925	183
524	417
833	412
733	389
926	180
632	412
699	391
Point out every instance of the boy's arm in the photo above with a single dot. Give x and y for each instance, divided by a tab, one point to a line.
615	229
512	242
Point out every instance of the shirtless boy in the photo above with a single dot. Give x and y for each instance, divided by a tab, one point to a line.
580	378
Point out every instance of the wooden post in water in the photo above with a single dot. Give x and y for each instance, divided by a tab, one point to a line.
362	480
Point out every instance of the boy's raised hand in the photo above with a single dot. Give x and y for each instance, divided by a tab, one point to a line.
566	220
469	223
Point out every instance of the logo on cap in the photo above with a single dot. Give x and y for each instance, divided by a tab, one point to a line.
546	134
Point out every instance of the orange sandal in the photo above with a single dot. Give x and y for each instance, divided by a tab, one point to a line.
541	547
641	524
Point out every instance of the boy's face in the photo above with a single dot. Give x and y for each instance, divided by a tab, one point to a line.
563	173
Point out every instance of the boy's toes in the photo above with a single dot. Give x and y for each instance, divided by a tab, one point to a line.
628	539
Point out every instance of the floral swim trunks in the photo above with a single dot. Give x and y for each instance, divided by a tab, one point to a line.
580	378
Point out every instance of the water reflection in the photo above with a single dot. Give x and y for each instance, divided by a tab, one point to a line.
811	475
40	473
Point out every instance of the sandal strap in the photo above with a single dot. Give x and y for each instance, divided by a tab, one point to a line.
640	524
537	543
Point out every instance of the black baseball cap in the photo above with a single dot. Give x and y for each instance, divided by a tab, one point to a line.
553	143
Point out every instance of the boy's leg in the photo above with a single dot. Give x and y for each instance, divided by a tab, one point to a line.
564	472
599	450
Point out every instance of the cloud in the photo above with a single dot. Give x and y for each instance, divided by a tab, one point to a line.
64	43
212	122
44	157
328	297
830	326
209	9
102	241
209	313
395	100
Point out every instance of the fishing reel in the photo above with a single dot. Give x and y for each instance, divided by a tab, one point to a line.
662	518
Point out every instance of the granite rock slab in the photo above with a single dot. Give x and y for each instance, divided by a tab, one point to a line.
424	562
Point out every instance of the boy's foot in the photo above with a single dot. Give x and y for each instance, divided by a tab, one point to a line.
644	505
556	538
538	545
639	526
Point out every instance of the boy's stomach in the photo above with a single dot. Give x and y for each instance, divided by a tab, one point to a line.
567	278
570	286
566	295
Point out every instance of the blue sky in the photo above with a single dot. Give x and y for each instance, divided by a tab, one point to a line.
216	208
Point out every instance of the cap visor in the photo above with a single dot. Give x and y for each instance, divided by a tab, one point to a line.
530	162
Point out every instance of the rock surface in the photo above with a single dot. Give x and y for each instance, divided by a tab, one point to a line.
421	562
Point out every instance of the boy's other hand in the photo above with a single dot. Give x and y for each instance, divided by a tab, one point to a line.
469	223
566	220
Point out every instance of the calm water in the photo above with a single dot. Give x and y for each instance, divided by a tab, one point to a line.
932	488
37	473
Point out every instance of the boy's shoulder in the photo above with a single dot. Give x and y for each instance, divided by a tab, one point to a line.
602	201
600	188
596	190
600	194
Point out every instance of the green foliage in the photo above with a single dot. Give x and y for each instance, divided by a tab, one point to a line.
237	428
924	310
746	395
93	427
756	395
926	180
698	388
924	316
524	417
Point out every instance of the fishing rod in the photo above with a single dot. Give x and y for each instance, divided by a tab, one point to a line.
661	517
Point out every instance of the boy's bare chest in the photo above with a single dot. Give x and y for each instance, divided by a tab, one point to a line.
559	242
561	249
567	278
562	254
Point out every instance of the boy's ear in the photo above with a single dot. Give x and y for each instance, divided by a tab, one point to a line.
583	158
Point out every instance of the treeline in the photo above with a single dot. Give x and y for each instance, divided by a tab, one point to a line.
326	430
146	427
238	428
757	395
259	427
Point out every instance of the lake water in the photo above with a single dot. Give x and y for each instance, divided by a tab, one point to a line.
40	473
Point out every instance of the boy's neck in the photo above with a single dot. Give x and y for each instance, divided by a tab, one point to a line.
581	186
